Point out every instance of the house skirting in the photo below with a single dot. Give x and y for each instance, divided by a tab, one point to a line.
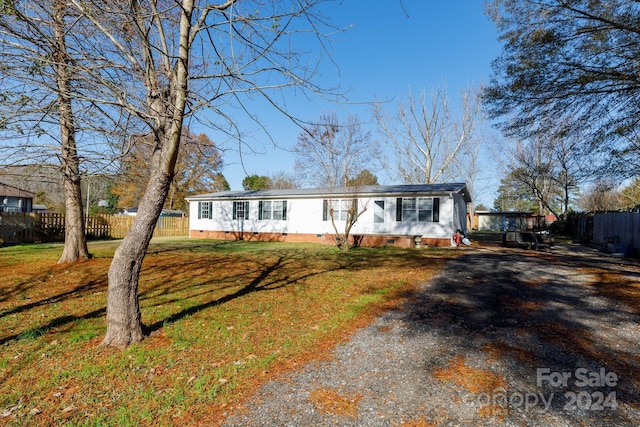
371	240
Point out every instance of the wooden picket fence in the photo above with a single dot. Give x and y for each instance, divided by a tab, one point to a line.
31	227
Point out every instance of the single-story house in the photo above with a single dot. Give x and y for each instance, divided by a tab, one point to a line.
388	214
14	199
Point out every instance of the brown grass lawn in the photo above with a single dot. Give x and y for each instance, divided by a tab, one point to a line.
225	317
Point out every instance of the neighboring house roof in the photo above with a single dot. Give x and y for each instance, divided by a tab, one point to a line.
368	190
11	191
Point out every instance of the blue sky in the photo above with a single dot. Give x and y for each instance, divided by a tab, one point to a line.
391	47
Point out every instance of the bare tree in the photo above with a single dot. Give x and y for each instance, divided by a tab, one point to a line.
332	154
571	166
283	180
162	62
429	143
533	165
552	165
601	196
38	75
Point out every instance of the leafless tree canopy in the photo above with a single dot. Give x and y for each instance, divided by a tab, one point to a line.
330	152
428	141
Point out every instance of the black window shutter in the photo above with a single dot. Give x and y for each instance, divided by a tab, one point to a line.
246	210
199	210
399	209
436	209
284	210
210	210
260	209
235	211
325	208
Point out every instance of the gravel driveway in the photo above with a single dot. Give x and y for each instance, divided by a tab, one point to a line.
501	337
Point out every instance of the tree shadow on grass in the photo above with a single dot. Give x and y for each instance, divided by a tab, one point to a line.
201	277
272	275
206	275
76	292
256	285
38	331
539	310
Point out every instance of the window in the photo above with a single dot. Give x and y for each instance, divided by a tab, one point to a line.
276	210
240	210
326	209
425	209
340	208
205	210
408	209
421	209
279	210
265	210
378	211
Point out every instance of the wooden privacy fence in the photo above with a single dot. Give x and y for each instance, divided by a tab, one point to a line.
49	227
617	228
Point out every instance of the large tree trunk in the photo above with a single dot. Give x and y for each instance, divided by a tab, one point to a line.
75	241
124	324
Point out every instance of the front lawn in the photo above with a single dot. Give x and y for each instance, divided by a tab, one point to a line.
225	316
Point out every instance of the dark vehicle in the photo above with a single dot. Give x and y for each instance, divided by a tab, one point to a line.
527	231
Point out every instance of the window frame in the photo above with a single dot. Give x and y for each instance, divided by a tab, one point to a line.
205	210
409	209
340	209
245	209
273	213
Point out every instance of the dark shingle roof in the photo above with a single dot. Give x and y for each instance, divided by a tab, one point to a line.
387	190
